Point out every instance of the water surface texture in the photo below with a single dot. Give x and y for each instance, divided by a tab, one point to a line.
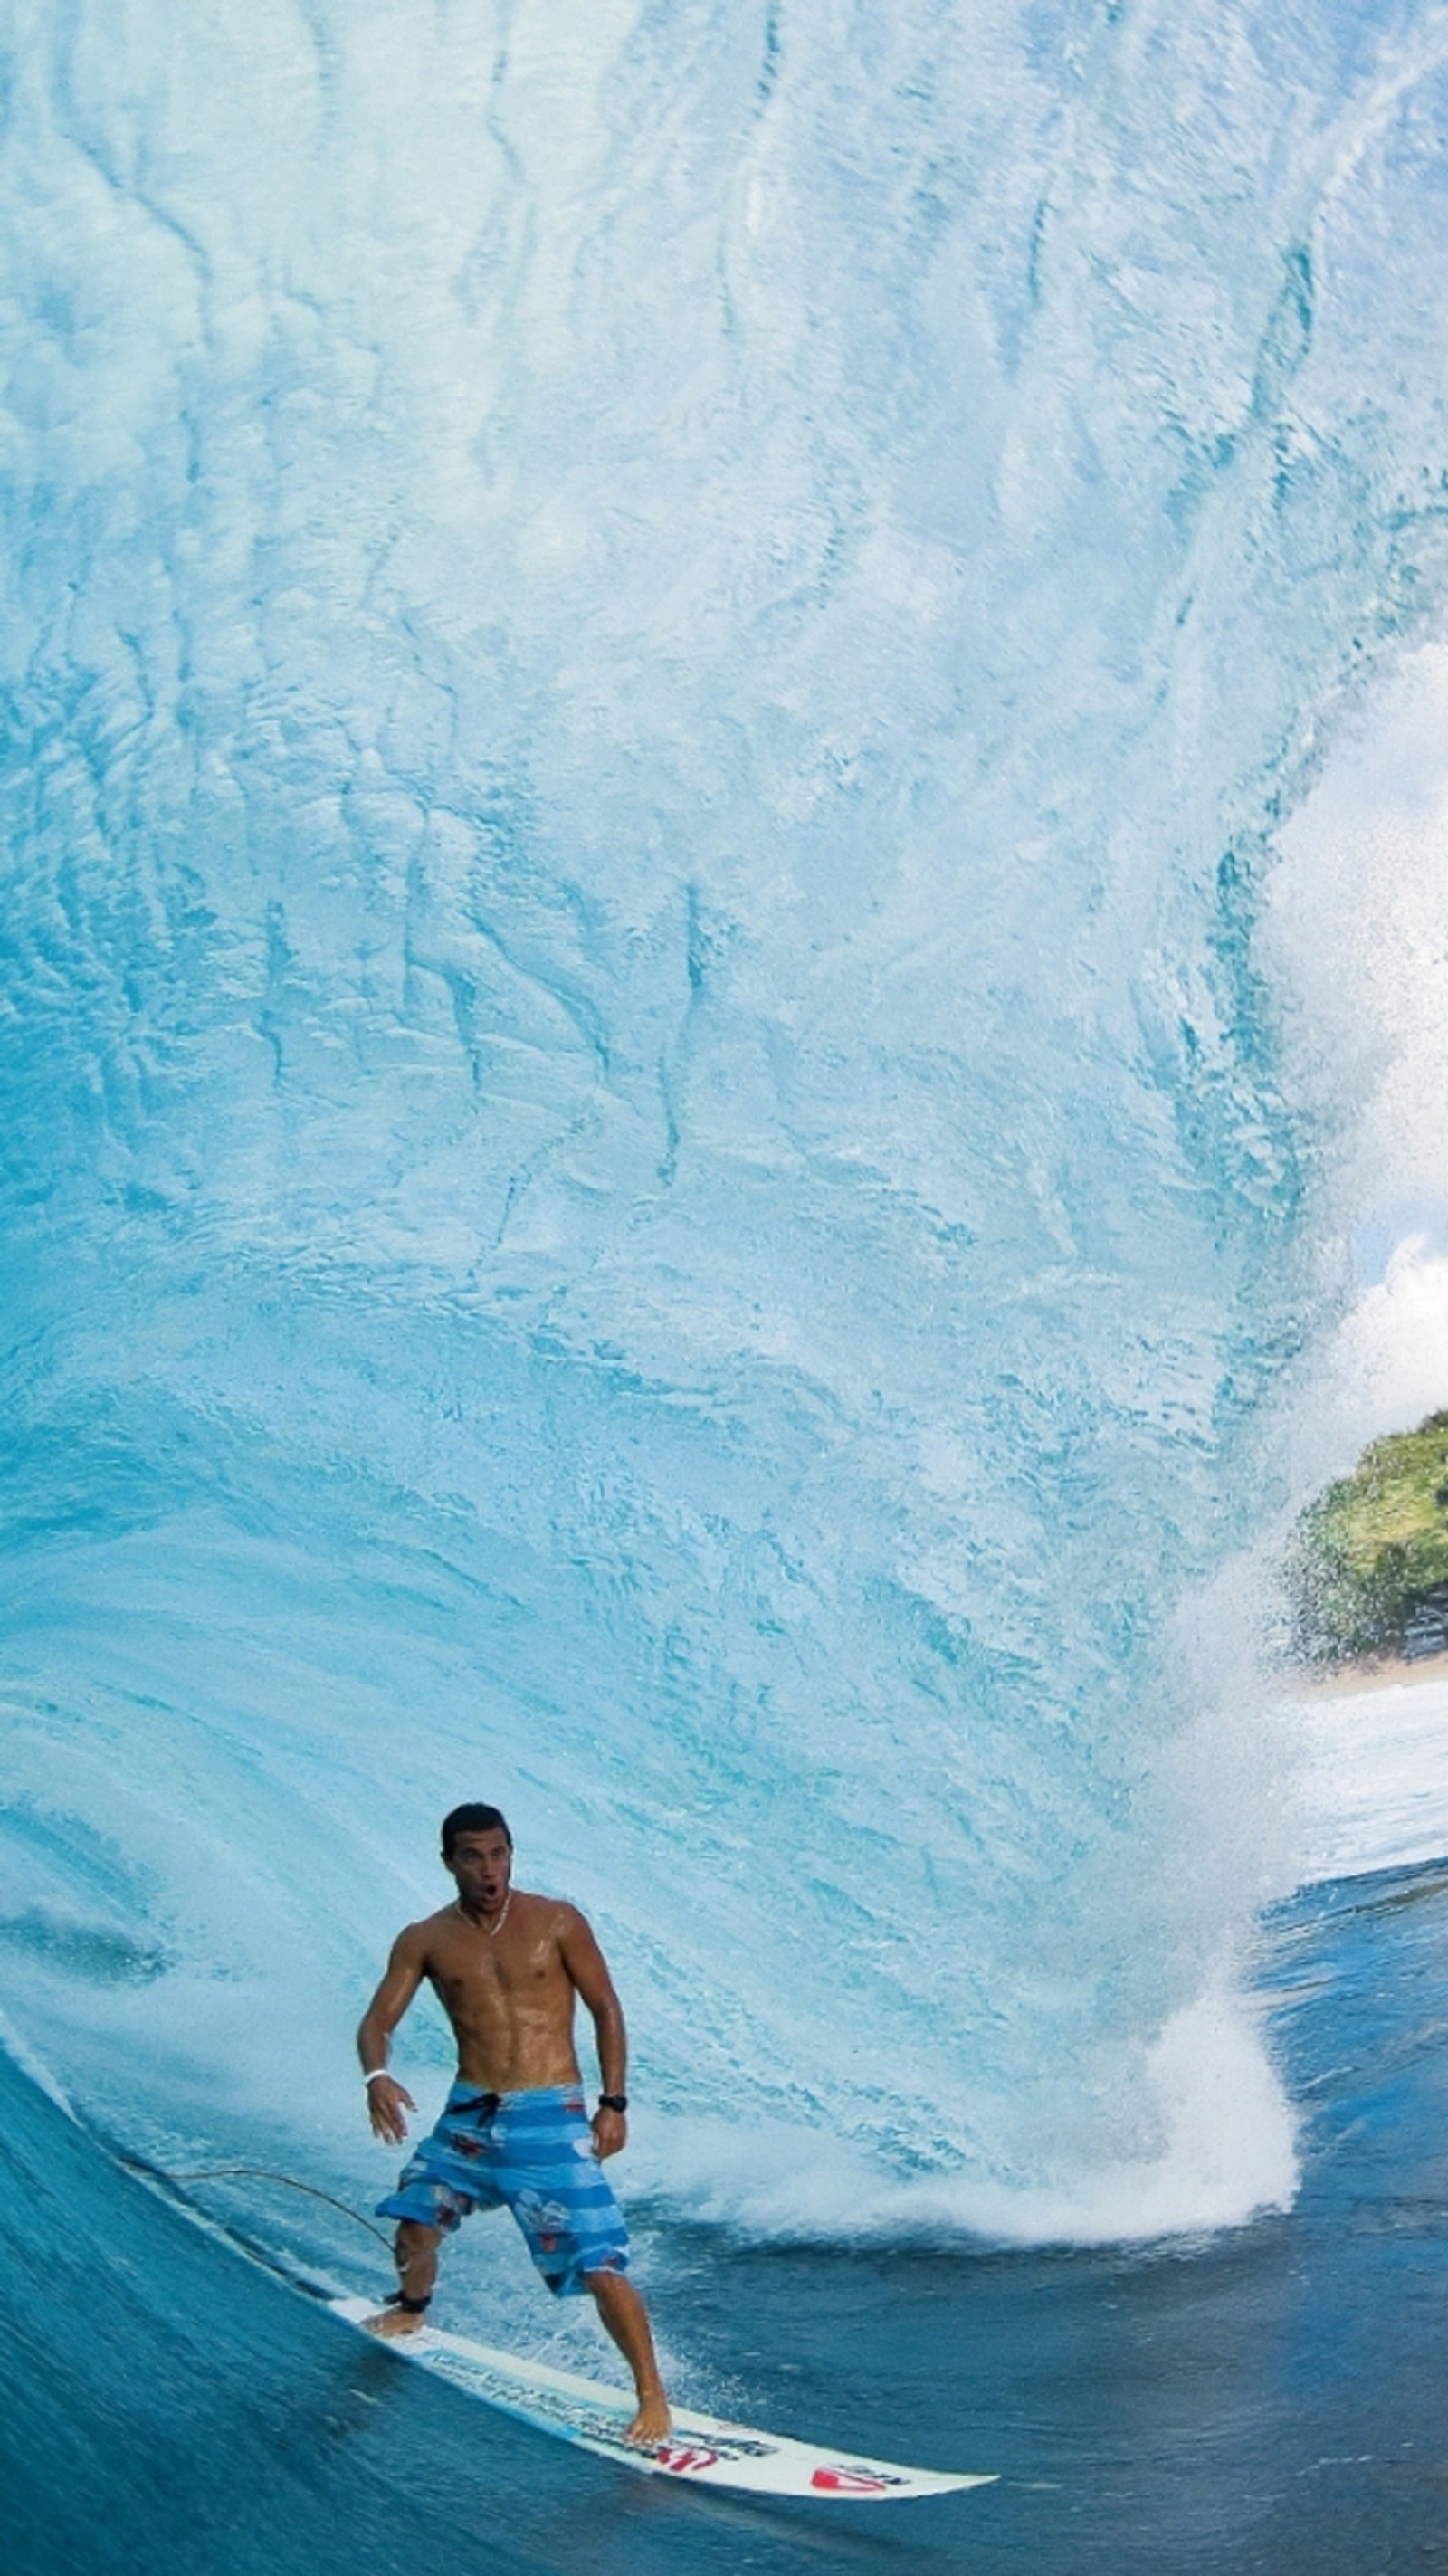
650	655
1268	2399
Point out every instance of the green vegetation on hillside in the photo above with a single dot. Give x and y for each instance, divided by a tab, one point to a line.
1371	1547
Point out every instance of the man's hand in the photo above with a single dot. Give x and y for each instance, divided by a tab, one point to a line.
386	2101
610	2133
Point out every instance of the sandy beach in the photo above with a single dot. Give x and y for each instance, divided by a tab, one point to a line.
1385	1672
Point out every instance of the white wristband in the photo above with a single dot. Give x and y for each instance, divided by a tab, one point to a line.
376	2071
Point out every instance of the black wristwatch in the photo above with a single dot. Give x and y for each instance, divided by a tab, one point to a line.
613	2101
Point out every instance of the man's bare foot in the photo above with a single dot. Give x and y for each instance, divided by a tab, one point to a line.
391	2322
652	2422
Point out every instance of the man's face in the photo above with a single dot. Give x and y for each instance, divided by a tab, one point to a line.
481	1864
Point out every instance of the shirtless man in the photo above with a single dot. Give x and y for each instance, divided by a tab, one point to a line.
508	1969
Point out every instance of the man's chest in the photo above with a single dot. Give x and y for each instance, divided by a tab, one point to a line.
471	1979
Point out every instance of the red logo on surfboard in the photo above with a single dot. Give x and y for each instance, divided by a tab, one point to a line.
681	2462
850	2482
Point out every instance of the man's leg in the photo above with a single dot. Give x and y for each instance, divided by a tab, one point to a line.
415	2251
626	2318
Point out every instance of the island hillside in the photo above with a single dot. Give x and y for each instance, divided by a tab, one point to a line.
1367	1573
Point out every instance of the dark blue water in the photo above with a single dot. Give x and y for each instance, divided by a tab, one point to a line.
1271	2399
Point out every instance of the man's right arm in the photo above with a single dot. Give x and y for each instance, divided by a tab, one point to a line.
386	2098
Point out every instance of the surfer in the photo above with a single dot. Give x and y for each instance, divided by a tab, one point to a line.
508	1969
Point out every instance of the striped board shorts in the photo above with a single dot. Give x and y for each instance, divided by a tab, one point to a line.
532	2153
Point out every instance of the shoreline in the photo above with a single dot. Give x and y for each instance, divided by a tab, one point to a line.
1382	1672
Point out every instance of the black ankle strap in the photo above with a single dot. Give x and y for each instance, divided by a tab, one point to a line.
409	2307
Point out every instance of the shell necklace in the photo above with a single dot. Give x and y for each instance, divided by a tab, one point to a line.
493	1929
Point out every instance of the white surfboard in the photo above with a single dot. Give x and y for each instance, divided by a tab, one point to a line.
700	2451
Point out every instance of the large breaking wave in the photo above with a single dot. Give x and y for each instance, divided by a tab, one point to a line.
650	656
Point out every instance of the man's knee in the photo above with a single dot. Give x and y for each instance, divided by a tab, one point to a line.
609	2285
415	2237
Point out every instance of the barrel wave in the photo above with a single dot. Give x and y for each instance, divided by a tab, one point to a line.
649	668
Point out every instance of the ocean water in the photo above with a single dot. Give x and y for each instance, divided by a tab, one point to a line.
676	1146
1262	2397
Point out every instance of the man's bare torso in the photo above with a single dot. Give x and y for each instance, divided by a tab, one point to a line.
508	1994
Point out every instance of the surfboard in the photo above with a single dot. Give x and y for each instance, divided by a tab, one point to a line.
701	2451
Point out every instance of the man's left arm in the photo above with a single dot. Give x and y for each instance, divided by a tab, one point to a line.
588	1970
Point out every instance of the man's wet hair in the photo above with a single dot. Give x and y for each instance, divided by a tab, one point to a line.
473	1819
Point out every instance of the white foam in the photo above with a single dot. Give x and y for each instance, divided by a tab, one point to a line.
1227	2152
1354	939
1373	1788
1353	936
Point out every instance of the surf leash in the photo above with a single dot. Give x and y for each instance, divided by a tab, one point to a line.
254	2173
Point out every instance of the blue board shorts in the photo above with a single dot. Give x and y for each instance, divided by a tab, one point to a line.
532	2153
